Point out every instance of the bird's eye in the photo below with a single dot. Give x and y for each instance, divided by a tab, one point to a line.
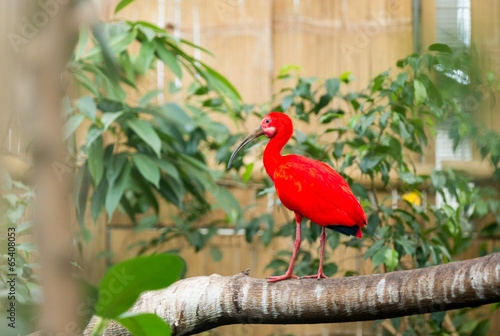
268	121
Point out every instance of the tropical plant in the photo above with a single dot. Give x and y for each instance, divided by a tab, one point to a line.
135	276
376	138
18	269
139	153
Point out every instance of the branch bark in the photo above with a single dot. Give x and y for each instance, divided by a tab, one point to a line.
198	304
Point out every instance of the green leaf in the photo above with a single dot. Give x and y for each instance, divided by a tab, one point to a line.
286	102
379	256
27	247
396	322
5	180
251	229
440	47
116	189
87	106
346	77
82	42
148	168
117	44
169	59
125	281
25	226
373	223
407	245
215	253
72	124
374	248
144	324
148	97
332	86
95	153
227	201
98	199
481	329
168	168
110	117
148	32
145	56
438	318
147	133
173	113
80	192
247	174
122	4
15	214
420	92
147	222
391	259
84	81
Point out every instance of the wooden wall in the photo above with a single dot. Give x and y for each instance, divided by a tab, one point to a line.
252	40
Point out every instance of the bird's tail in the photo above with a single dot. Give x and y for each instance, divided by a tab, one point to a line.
347	230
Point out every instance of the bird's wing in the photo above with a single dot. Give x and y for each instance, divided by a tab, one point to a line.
318	192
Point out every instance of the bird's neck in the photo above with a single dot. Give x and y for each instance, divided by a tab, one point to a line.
272	153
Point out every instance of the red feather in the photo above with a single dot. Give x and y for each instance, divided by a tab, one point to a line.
317	192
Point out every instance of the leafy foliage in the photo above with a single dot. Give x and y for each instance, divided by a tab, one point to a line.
377	137
137	153
18	257
122	285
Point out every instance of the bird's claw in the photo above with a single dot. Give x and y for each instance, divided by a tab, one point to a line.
281	277
317	276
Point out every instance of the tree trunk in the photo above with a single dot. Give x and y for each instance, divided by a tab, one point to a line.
197	304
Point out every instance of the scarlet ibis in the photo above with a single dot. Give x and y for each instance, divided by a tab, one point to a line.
310	188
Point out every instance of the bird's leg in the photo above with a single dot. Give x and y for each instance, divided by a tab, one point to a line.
298	239
322	240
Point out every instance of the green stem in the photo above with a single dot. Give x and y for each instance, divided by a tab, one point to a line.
99	327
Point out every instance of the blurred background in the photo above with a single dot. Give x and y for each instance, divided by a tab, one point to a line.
399	96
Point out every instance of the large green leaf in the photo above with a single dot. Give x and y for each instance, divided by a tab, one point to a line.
87	106
116	189
148	97
144	324
148	168
82	42
169	59
391	259
147	133
420	92
98	199
117	44
332	86
95	153
81	78
168	168
72	124
122	4
80	192
440	47
145	57
108	118
125	281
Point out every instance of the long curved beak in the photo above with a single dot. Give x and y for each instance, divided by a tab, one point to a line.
255	134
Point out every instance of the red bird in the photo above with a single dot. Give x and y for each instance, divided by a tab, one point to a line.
307	187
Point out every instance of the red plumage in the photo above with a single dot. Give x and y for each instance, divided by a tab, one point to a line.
310	188
317	192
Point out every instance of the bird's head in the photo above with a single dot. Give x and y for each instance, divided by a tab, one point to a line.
271	125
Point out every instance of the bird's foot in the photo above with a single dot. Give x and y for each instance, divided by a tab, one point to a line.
317	276
281	277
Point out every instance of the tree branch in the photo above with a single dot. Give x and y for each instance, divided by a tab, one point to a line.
197	304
